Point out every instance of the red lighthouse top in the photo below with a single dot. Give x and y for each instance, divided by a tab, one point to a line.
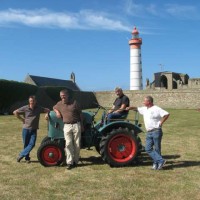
135	32
135	42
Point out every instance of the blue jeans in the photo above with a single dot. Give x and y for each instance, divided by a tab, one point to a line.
29	138
113	116
153	145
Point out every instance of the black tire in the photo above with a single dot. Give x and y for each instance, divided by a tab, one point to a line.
45	139
119	147
50	153
97	145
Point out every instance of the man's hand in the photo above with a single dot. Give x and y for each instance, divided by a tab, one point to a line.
110	111
116	111
46	116
58	115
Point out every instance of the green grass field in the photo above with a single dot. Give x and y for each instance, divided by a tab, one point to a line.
94	179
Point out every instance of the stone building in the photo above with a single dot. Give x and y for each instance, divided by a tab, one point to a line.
172	80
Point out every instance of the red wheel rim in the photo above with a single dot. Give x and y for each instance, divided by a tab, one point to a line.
51	155
122	148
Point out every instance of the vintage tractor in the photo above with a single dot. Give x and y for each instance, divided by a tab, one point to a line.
117	142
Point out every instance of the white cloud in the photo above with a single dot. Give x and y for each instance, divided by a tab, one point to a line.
182	11
134	9
152	9
44	18
178	11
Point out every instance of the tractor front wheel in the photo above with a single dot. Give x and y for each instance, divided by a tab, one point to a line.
45	139
50	153
119	147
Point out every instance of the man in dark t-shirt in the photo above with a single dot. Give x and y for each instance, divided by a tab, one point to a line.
119	106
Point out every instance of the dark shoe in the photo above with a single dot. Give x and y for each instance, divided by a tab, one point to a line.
161	165
69	167
155	166
75	164
64	163
28	161
19	158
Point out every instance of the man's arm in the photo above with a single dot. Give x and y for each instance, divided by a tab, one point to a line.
163	119
58	114
16	113
46	110
132	108
122	108
111	110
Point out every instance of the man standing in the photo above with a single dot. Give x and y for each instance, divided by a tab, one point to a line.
119	105
154	117
70	112
30	120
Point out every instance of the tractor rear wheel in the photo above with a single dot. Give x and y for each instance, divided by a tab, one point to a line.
97	145
50	153
119	147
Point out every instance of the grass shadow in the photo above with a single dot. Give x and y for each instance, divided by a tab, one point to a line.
142	160
181	164
145	160
92	160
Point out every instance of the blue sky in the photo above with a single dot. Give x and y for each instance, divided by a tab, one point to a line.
53	38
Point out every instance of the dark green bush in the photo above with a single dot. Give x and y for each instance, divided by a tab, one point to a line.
12	92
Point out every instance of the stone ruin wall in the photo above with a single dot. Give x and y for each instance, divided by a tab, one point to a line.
177	99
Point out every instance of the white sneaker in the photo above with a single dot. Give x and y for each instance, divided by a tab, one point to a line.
155	166
161	165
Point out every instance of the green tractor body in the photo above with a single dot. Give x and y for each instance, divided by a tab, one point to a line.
117	142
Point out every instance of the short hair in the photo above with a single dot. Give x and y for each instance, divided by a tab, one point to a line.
65	91
118	89
32	97
149	98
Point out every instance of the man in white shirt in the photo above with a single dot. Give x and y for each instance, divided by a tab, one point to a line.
154	117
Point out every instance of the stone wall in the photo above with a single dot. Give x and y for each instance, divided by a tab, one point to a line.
180	99
194	83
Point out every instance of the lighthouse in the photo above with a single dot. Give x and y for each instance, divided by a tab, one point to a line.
135	61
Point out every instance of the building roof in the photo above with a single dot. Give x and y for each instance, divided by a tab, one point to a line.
169	72
44	81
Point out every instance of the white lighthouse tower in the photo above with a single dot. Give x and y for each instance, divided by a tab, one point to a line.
135	61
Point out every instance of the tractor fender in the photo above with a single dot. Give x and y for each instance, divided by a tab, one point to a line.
55	126
122	124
